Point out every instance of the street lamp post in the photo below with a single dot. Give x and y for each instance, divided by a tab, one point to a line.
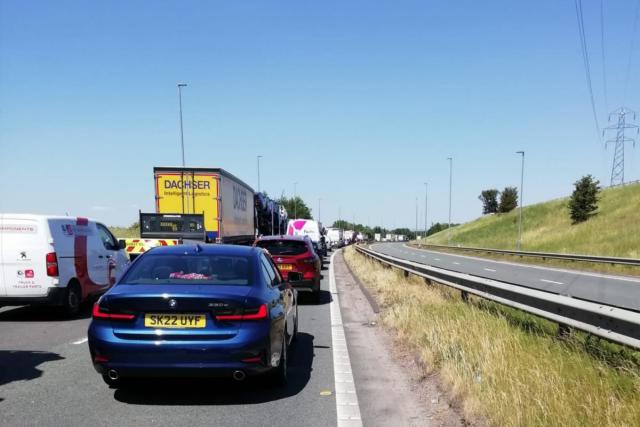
295	200
416	232
180	86
426	205
258	157
519	244
319	200
450	188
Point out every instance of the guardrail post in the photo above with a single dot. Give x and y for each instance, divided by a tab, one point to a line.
405	274
563	331
428	282
465	296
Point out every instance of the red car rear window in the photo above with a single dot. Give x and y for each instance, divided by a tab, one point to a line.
283	247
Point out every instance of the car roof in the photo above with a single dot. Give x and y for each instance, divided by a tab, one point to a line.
283	237
206	249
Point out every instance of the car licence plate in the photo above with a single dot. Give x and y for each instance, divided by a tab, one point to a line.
175	321
285	267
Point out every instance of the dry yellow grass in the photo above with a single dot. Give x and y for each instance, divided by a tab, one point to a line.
505	366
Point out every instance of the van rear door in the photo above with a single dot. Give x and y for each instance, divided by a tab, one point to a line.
24	247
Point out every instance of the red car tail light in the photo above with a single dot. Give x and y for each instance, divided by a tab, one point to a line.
257	313
52	264
99	313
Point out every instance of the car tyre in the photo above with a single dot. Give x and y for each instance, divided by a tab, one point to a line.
72	300
294	336
279	375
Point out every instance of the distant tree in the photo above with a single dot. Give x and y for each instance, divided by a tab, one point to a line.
489	199
508	200
296	207
437	227
584	200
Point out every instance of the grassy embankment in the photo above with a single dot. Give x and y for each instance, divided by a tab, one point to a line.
614	231
504	365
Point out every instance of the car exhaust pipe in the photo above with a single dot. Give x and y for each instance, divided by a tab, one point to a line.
113	374
239	375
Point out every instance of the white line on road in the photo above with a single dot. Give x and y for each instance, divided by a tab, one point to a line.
423	256
81	341
538	267
490	269
436	259
345	388
456	263
551	281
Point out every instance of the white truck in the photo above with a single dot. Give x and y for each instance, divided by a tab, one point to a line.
334	236
56	260
348	236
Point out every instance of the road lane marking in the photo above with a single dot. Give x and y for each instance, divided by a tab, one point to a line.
490	269
81	341
423	256
347	406
436	259
539	267
551	281
456	263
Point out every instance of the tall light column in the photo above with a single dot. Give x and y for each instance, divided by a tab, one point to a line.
426	205
450	189
295	200
258	157
519	243
180	86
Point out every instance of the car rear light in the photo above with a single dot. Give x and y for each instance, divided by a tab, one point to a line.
101	313
100	359
257	313
52	264
255	359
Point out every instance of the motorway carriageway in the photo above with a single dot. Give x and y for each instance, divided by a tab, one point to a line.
618	291
46	377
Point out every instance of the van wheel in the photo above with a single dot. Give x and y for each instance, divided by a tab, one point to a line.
72	300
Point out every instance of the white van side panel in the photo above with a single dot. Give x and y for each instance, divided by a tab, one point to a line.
25	243
304	227
81	254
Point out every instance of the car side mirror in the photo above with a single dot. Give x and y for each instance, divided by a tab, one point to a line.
295	276
122	244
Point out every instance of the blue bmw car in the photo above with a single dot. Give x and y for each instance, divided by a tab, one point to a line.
195	310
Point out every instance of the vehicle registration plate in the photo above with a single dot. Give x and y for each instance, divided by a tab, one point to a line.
285	267
175	321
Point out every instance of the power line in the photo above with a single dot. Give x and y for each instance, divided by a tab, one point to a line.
586	62
631	49
604	68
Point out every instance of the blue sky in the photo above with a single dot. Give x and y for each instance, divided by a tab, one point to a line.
360	102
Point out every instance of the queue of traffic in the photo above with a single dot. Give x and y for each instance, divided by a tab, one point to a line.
180	306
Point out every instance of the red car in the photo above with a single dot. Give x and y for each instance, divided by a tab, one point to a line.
295	253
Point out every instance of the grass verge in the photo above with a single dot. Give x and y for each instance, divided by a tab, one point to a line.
547	227
505	365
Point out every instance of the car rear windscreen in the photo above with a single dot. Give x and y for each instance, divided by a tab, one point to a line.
283	247
189	269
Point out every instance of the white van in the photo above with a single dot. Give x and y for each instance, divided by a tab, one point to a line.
56	260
